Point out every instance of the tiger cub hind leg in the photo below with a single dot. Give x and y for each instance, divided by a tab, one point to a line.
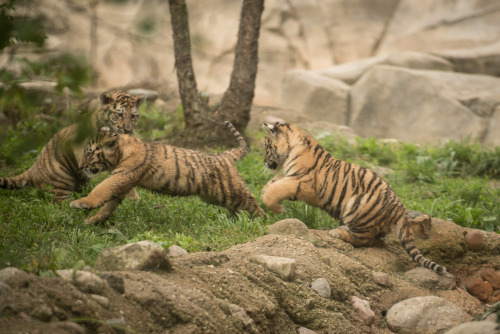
356	239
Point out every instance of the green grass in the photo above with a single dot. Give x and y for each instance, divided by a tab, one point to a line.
452	181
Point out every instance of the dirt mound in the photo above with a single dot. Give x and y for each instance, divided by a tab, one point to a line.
235	292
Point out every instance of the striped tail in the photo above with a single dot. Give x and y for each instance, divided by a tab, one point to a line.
407	239
240	152
17	182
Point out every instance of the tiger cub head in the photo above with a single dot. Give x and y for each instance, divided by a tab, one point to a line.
101	154
278	142
117	112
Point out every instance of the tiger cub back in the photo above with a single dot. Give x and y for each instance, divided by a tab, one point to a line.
165	169
365	203
58	164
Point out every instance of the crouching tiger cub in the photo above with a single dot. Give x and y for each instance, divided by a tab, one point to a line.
364	203
58	165
164	169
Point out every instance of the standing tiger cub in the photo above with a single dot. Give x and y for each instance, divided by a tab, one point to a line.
364	203
164	169
58	165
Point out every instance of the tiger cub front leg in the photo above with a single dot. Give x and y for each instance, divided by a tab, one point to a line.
107	190
277	190
104	213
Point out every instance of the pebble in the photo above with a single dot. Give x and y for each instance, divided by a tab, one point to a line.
322	287
175	251
363	310
478	288
475	240
382	279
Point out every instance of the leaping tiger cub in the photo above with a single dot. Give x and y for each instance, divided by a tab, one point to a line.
165	169
364	203
58	165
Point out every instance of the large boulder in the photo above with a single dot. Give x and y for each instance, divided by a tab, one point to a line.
424	106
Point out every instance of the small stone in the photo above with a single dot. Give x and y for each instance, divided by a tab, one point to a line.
283	266
101	300
84	280
240	313
114	281
428	279
475	240
478	288
67	327
475	327
175	251
4	288
8	272
382	279
303	330
290	226
322	287
493	277
363	310
42	312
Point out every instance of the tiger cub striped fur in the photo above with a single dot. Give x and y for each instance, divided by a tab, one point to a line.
58	165
364	202
164	169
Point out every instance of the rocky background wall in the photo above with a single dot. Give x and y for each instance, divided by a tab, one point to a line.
414	70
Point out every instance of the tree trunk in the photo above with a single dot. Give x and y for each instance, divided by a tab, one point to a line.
192	102
237	100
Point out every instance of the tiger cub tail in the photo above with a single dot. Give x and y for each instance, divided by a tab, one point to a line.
17	182
240	152
407	239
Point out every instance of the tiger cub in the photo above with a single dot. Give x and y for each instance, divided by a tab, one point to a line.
364	203
164	169
58	165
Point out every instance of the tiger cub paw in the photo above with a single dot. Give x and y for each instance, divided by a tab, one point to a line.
81	204
276	208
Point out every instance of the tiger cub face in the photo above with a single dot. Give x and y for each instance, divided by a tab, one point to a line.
277	146
100	154
118	112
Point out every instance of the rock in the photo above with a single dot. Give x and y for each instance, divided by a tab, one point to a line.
493	277
240	313
42	312
142	255
4	288
475	240
428	279
420	315
83	280
9	272
303	330
436	98
478	288
350	72
322	287
150	95
382	279
283	266
67	327
103	301
114	281
476	327
363	310
290	226
318	97
176	251
420	223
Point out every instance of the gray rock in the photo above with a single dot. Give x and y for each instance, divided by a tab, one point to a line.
114	281
290	226
83	280
318	97
142	255
428	279
322	287
303	330
4	288
9	272
476	327
240	313
363	310
42	312
436	97
421	315
175	251
151	95
103	301
382	279
67	327
283	266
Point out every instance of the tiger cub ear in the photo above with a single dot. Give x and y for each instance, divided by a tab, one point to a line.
106	98
271	129
109	139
